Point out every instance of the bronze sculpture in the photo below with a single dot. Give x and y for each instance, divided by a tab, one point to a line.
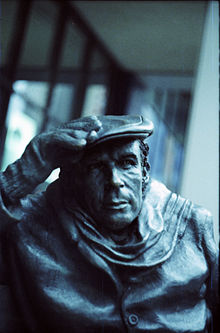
105	248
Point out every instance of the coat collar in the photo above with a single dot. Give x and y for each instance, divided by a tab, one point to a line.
157	228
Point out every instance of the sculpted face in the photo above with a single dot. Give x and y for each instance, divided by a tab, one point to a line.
112	182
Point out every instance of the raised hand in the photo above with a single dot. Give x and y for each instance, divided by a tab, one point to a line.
46	152
65	144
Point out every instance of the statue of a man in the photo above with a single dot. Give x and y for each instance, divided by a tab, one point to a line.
105	248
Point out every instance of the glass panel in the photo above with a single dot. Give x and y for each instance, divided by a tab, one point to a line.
136	101
98	70
40	32
21	128
34	92
73	47
170	108
95	100
159	96
160	151
182	114
177	167
61	105
24	118
173	165
99	62
169	161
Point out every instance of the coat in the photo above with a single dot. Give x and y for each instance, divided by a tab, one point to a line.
60	274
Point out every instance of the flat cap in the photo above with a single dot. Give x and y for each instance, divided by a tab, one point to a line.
113	127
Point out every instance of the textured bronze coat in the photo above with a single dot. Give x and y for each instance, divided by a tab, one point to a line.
59	274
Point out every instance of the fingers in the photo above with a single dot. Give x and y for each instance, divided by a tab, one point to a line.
86	124
83	128
80	131
92	136
69	140
97	123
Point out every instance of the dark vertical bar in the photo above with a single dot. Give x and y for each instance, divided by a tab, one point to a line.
120	83
87	30
79	96
14	53
54	59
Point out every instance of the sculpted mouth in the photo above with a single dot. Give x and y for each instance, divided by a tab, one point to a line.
116	204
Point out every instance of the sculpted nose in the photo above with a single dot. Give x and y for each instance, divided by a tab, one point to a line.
116	179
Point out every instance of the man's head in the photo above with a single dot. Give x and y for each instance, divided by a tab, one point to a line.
110	179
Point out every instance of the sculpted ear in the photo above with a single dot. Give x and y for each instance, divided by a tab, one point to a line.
146	177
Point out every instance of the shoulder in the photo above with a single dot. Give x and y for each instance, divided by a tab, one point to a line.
200	218
193	217
157	193
201	223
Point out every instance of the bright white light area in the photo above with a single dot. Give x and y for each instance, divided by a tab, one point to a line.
21	129
95	100
53	176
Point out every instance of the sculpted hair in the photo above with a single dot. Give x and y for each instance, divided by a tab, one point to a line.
145	165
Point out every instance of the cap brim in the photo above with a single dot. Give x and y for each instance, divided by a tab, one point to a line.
116	127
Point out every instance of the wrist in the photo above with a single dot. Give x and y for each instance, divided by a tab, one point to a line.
22	177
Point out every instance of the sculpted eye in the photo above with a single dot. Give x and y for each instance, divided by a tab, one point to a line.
127	163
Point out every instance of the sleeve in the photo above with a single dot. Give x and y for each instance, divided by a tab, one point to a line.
207	243
18	180
9	320
21	177
212	257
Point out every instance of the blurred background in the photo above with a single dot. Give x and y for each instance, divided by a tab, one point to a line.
60	60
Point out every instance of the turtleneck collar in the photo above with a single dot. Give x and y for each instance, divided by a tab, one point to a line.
149	240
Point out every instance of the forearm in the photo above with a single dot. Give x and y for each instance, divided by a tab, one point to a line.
46	152
22	177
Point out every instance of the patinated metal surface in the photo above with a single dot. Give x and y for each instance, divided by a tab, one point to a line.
105	248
